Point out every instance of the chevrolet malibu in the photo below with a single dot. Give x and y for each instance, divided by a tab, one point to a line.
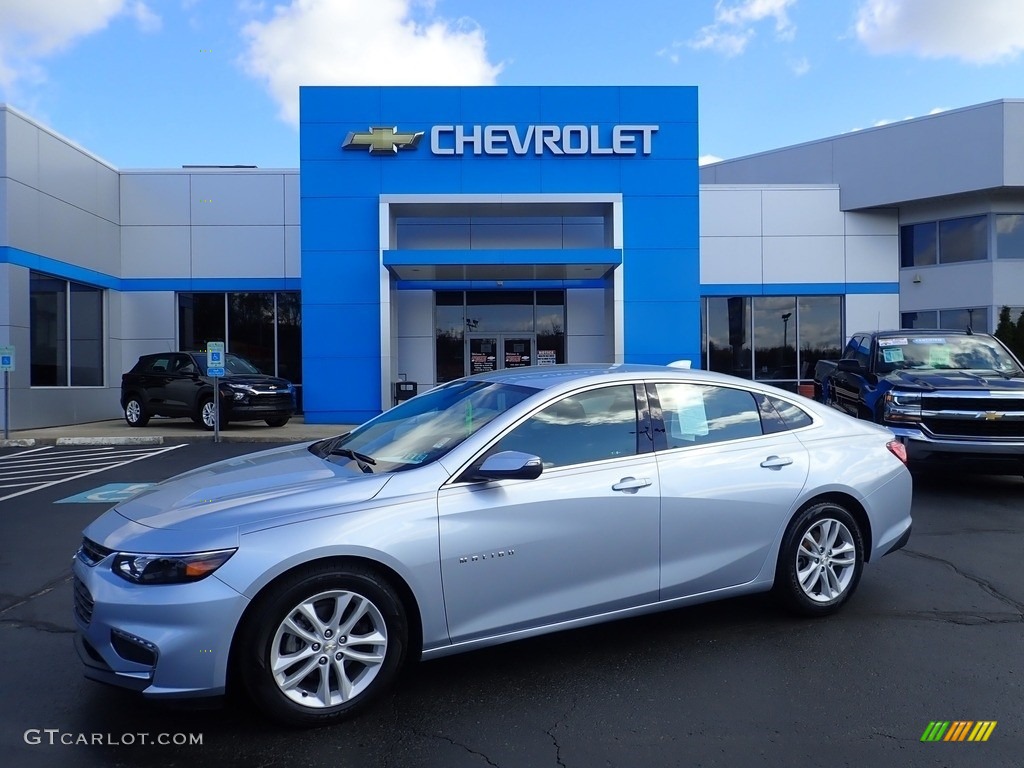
496	507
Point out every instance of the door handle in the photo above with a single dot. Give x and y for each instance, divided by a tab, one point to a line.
776	462
631	484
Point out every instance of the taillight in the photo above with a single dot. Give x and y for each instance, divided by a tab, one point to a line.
897	449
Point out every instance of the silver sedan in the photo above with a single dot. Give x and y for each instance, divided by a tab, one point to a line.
493	508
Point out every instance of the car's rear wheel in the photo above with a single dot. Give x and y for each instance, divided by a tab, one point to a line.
278	421
320	646
135	413
207	412
821	560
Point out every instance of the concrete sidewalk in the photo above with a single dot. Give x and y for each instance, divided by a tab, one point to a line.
161	431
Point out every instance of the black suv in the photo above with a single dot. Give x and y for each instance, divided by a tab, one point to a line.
178	384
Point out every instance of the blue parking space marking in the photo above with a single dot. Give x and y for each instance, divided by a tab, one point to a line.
111	493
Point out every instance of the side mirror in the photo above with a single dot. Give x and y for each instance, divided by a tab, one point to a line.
849	366
508	465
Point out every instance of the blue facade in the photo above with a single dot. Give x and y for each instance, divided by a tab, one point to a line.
343	257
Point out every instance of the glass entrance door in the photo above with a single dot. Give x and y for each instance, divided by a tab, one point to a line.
497	351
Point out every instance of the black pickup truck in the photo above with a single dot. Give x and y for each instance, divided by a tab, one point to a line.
948	396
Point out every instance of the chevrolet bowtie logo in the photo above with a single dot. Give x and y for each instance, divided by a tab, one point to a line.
382	140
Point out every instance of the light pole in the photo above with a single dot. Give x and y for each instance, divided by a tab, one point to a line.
785	329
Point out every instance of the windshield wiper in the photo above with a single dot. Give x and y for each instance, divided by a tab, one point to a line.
363	461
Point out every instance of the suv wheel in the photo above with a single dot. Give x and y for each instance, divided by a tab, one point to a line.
206	415
135	413
277	421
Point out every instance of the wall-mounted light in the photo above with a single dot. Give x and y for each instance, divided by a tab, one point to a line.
917	278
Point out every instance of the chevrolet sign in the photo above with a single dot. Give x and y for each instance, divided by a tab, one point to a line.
538	139
381	140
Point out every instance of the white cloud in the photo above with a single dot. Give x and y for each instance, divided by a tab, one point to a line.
352	42
32	30
708	159
734	25
800	67
979	32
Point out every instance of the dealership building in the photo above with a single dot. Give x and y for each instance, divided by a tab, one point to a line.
433	232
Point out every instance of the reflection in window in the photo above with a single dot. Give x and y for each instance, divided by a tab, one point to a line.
697	414
590	426
918	320
963	239
918	245
975	318
776	338
263	327
65	333
1010	236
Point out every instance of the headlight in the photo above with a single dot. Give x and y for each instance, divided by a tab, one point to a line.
902	406
168	569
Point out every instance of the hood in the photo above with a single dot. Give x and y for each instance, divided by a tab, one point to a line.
256	488
928	381
257	380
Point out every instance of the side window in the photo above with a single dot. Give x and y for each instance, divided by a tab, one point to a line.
588	426
859	349
161	364
780	416
698	414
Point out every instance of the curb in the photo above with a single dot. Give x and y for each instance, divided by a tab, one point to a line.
153	440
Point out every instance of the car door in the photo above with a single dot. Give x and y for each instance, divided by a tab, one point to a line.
182	386
153	380
727	487
579	540
847	386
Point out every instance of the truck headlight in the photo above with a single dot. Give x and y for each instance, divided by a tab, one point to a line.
902	407
168	569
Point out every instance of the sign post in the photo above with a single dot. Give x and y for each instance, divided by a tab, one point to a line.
7	365
215	368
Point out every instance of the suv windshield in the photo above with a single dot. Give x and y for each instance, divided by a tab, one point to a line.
233	364
425	428
939	352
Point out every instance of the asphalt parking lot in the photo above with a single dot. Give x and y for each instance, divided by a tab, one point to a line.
934	634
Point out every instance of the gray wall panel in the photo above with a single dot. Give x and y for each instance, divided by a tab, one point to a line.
155	199
22	147
253	198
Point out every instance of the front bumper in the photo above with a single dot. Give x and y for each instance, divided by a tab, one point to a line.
166	641
922	447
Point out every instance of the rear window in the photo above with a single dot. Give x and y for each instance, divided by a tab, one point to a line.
779	415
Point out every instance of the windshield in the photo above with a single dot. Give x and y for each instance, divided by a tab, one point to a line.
425	428
233	364
941	353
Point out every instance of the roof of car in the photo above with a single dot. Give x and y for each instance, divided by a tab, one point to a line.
922	332
549	376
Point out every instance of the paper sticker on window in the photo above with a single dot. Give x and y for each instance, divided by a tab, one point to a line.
685	416
939	356
894	355
929	340
891	342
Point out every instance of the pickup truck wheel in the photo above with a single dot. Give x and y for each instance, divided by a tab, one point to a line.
135	413
206	411
820	561
278	421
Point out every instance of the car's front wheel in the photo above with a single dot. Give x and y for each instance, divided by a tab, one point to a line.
821	560
277	421
207	415
135	412
321	645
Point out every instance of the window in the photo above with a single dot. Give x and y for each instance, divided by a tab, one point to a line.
919	320
776	338
697	414
265	328
589	426
944	242
779	415
1010	236
918	245
66	333
963	239
975	318
858	349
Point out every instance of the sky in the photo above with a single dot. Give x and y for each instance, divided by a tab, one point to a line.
166	83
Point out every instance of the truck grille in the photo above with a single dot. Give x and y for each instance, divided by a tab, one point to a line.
83	602
974	417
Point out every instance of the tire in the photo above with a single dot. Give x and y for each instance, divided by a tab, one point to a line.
339	679
813	577
135	412
206	415
277	421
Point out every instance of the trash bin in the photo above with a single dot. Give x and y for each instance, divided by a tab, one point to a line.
405	390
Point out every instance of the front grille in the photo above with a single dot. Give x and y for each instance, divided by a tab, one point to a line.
273	400
997	428
83	602
91	553
974	404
